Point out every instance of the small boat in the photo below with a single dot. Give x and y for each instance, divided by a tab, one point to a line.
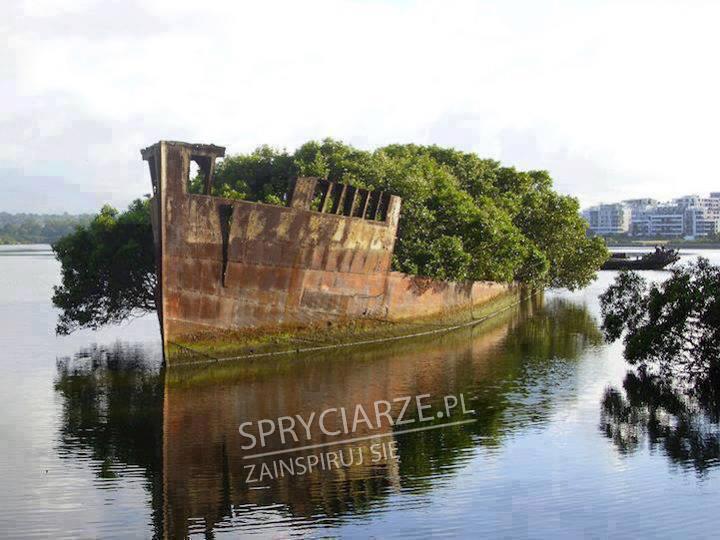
656	260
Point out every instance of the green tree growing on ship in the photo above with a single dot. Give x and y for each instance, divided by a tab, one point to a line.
463	217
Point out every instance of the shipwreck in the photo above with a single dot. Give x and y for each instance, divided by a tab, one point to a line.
232	272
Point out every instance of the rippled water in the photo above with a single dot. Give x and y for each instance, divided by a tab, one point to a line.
99	441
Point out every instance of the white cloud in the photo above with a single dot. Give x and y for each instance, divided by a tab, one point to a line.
616	99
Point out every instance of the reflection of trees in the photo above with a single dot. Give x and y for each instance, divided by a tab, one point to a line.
561	330
112	413
526	379
544	351
180	427
680	423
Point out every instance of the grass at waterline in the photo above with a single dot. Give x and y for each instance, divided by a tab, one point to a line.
258	368
238	345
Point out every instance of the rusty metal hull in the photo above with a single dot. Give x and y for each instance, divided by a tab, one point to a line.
226	265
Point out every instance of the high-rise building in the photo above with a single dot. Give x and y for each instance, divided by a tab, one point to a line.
711	205
698	223
664	221
639	212
690	216
701	214
606	219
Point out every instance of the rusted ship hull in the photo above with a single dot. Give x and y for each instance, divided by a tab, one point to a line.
227	265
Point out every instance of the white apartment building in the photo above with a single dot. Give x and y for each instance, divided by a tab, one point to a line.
608	218
640	209
689	217
710	205
701	214
664	221
698	222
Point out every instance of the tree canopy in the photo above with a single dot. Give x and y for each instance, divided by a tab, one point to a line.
673	325
462	217
107	269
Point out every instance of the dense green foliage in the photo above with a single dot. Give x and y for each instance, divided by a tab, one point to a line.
674	325
38	228
462	217
108	269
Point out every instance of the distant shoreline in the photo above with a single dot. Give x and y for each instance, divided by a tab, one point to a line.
613	244
47	245
37	243
27	229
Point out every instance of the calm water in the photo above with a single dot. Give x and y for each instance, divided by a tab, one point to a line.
98	441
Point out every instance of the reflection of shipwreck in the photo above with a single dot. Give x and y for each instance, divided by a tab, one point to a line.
227	265
205	469
180	427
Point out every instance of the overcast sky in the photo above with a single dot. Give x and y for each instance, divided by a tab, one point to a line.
615	99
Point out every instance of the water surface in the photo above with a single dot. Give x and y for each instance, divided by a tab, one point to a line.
99	441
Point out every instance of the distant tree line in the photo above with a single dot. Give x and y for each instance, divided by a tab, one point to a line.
462	217
38	228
